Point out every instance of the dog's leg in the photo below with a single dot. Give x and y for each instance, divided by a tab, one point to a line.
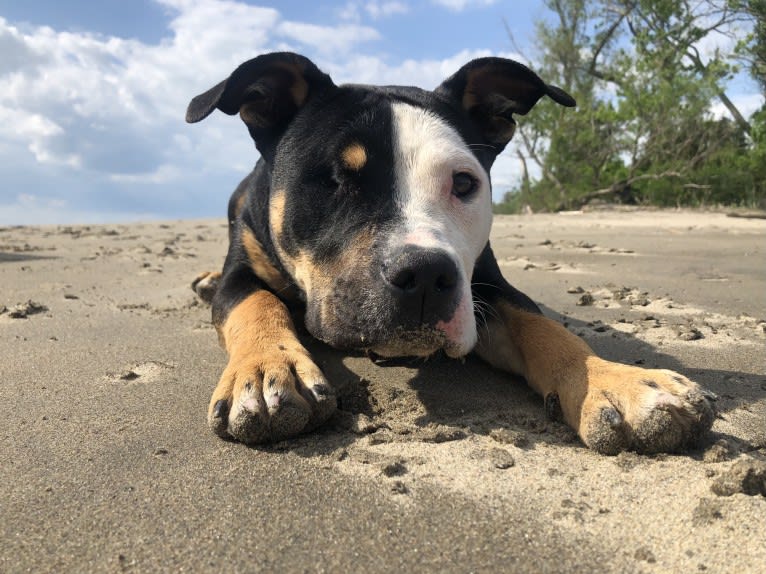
613	407
270	389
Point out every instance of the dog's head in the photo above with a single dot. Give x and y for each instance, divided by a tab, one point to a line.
380	198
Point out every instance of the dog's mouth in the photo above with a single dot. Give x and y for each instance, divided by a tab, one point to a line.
399	350
402	342
373	327
422	342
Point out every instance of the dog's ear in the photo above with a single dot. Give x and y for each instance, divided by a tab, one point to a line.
490	90
266	91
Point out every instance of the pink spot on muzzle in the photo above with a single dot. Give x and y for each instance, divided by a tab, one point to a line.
454	328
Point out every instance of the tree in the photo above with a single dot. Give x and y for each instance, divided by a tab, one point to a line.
573	151
752	49
642	132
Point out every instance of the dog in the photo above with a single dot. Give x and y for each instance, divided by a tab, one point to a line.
370	211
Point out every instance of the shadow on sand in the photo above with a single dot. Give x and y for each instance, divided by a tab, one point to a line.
471	397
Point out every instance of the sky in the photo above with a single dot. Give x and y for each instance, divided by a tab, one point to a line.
93	92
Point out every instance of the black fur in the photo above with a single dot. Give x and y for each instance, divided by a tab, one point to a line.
300	122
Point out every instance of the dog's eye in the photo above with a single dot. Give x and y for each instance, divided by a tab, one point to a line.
463	185
324	177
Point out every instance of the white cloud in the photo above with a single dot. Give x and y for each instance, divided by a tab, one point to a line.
94	124
26	126
165	173
108	105
378	10
506	173
723	38
16	54
425	74
747	104
350	12
460	5
17	211
326	39
35	132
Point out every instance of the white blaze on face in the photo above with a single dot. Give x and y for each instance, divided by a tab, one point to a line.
428	152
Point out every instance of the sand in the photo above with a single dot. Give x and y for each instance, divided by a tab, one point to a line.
107	362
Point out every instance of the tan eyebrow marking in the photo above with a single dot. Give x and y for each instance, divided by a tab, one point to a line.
354	157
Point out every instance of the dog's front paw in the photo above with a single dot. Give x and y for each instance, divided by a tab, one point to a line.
270	395
628	408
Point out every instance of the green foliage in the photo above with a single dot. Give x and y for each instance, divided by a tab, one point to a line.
642	132
752	48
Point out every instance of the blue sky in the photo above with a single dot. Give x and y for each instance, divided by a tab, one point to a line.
93	93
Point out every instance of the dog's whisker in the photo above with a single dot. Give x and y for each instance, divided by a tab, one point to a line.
479	284
478	145
480	307
485	307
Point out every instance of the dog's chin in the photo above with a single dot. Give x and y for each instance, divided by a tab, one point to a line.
399	349
343	329
401	343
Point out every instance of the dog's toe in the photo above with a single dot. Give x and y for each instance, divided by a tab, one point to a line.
218	419
647	411
269	397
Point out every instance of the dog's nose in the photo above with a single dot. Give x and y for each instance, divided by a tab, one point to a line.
423	282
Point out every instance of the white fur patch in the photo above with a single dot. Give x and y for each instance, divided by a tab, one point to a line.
427	153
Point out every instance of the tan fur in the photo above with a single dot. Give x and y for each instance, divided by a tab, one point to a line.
241	200
299	89
354	157
252	113
554	361
540	350
298	266
317	279
259	320
277	213
306	273
261	265
260	338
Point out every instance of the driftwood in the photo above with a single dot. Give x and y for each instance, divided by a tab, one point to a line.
617	189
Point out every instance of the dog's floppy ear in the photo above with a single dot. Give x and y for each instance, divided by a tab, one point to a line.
267	91
490	90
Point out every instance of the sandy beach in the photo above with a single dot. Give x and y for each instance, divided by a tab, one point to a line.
108	360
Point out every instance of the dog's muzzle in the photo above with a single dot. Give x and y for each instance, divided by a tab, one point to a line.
410	301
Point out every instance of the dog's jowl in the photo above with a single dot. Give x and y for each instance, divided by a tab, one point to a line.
370	208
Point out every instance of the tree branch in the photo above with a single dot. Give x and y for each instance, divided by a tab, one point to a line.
615	188
693	54
547	174
605	40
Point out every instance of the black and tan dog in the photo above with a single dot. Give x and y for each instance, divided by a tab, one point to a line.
370	208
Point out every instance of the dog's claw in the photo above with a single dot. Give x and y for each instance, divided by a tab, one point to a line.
611	417
553	407
218	420
221	409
